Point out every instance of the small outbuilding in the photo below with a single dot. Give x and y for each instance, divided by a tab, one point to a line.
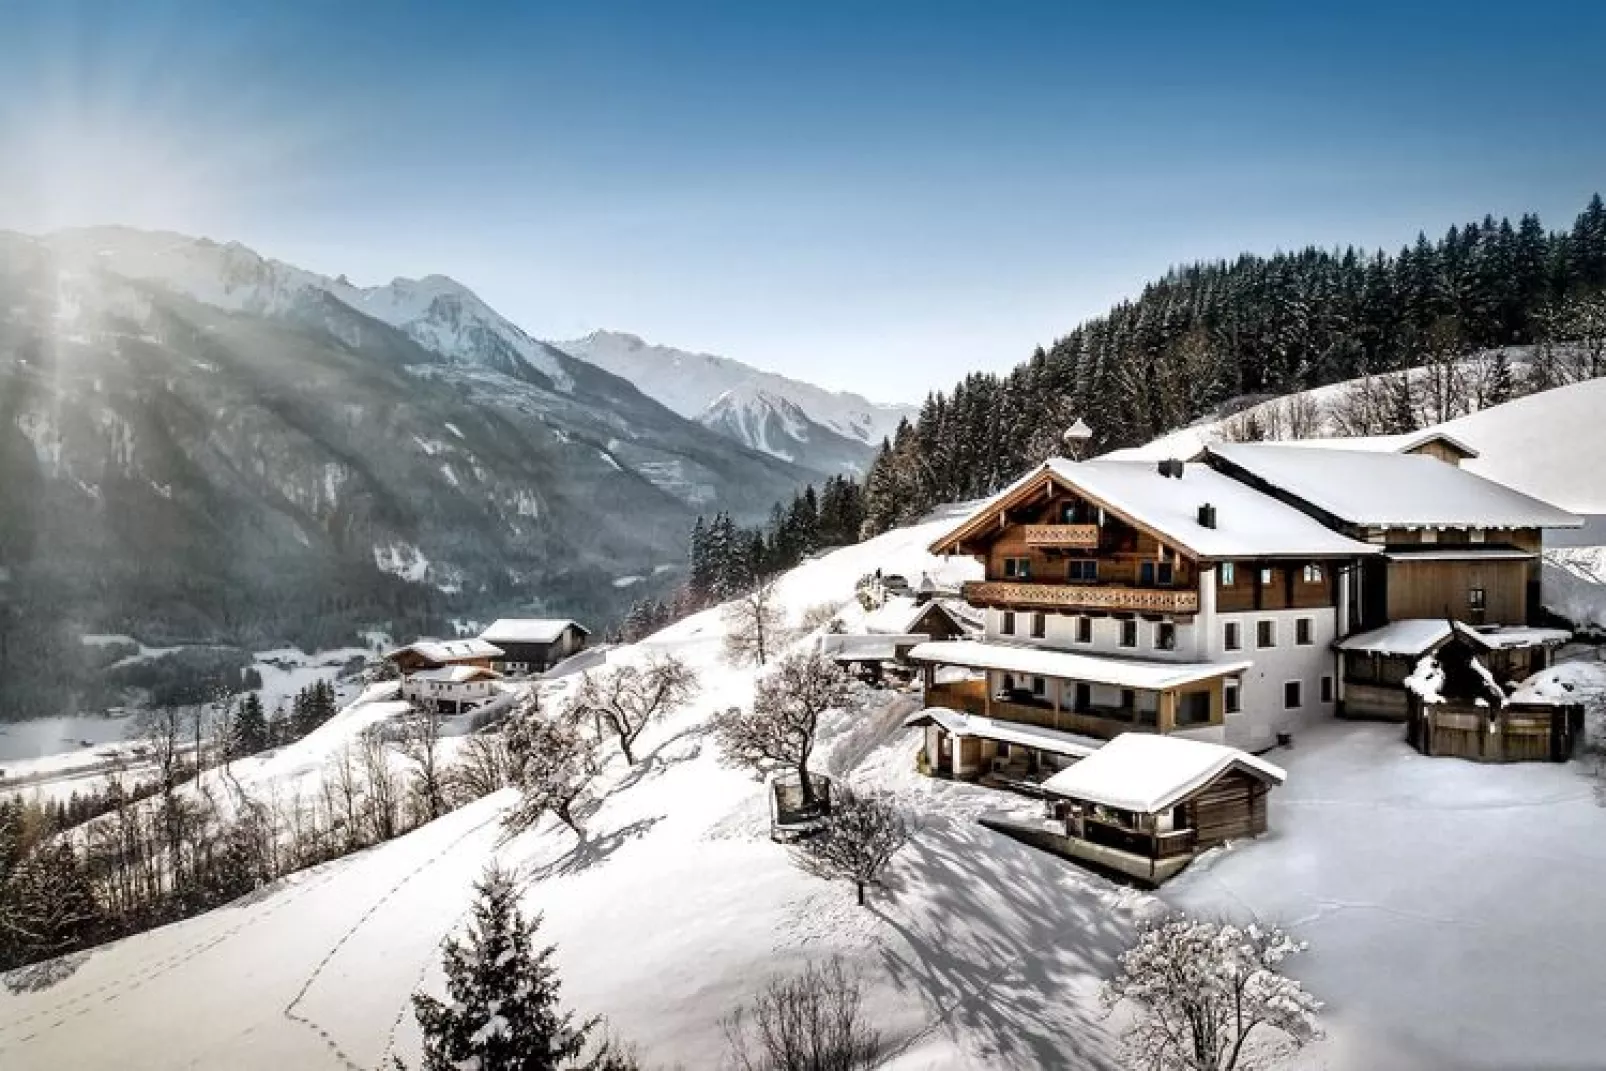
534	645
1145	805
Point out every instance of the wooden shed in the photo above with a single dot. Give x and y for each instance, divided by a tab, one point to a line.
1145	805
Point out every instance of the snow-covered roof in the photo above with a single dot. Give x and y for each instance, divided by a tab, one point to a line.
1386	444
1116	672
449	650
1144	772
900	613
528	629
856	648
1415	636
1008	732
1391	490
454	674
1248	523
1430	553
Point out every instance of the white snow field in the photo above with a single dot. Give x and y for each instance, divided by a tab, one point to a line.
1452	909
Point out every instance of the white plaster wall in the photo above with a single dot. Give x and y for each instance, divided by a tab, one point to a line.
1060	634
1263	714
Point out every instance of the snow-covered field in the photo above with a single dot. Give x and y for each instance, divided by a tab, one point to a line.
1452	908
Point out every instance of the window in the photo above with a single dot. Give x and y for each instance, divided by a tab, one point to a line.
1084	570
1084	630
1476	598
1007	624
1231	636
1302	632
1266	634
1039	686
1292	699
1165	636
1193	708
1228	572
1146	575
1327	689
1129	634
1166	573
1265	577
1039	625
1232	697
1313	573
1018	568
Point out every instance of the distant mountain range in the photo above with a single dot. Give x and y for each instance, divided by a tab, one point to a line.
828	431
198	443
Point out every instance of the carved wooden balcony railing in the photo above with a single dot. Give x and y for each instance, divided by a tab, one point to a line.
1072	536
1082	597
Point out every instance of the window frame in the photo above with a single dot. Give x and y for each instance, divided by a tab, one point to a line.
1039	625
1298	692
1129	628
1232	696
1017	567
1162	631
1084	629
1232	636
1265	627
1327	688
1082	565
1313	573
1304	631
1006	623
1227	574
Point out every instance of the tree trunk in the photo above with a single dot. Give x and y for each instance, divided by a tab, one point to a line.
860	887
624	746
807	783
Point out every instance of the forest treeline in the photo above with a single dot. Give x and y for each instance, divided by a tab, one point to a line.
1214	333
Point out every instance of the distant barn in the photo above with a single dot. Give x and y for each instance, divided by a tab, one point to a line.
534	645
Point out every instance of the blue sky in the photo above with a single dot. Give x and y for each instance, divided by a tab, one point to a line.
875	197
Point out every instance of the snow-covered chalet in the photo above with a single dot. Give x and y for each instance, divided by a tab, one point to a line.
1226	599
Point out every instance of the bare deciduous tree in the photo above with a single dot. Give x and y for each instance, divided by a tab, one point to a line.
483	766
753	625
787	705
629	698
1363	408
1201	989
813	1021
856	841
384	789
421	743
554	762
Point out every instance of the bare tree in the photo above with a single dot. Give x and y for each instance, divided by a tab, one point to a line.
857	840
1202	988
1363	407
822	617
483	766
384	789
1442	389
787	706
554	762
1302	416
421	743
629	698
812	1021
753	625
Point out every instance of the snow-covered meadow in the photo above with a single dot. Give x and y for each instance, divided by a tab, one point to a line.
1450	907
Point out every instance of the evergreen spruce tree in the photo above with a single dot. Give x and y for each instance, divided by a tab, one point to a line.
250	727
501	1011
1502	383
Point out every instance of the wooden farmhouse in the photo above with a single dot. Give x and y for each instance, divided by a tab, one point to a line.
436	654
452	689
534	645
1224	602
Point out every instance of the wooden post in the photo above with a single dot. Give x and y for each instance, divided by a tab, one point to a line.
1165	717
1059	686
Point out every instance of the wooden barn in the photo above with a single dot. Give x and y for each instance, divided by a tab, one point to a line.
534	645
1145	805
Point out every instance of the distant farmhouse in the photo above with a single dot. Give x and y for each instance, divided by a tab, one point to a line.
1227	600
454	675
534	645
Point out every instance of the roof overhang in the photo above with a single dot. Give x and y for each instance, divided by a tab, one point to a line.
1145	674
1035	736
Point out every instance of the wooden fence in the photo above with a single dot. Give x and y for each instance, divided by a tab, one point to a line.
1516	733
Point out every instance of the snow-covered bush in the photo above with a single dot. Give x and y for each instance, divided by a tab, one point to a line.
809	1022
554	761
1202	989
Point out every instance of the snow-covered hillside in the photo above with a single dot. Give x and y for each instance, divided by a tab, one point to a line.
985	953
704	387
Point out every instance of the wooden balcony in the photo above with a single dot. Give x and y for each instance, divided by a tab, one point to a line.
1063	536
1081	597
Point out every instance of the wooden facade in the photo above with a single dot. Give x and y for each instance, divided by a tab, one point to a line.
1515	733
1475	591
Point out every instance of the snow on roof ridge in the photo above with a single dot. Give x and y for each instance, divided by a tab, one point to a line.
528	629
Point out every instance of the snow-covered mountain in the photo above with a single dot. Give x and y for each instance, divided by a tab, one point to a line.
201	444
764	410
